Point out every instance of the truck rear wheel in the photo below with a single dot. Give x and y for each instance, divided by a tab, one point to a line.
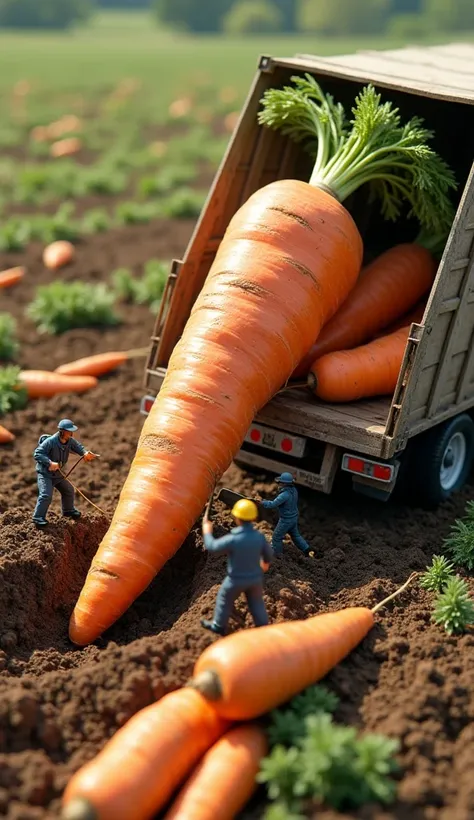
441	460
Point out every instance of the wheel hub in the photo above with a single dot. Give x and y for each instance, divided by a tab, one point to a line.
453	461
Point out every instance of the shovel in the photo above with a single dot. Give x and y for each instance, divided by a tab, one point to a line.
234	615
230	497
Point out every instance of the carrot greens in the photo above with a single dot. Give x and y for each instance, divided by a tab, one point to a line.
374	148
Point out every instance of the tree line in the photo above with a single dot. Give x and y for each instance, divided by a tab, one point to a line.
402	18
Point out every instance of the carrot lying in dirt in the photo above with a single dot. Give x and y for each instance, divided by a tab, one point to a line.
11	277
233	673
224	780
369	370
138	770
43	384
58	254
289	258
5	436
100	363
385	290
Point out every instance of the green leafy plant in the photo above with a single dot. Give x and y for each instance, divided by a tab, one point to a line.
94	221
288	724
134	213
61	306
15	234
454	608
331	765
145	290
374	148
438	574
170	178
460	544
8	342
61	225
12	395
184	203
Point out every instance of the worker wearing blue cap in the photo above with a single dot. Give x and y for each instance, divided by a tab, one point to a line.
287	504
51	455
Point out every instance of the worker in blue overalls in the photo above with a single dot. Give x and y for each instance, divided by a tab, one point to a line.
248	556
287	504
51	455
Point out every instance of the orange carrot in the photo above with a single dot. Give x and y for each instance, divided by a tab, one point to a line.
138	770
369	370
415	315
65	147
289	257
385	290
100	363
11	276
58	254
224	780
42	384
233	672
5	436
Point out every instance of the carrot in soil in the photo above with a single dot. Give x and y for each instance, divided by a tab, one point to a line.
58	254
100	363
385	290
5	436
224	780
43	384
11	277
369	370
233	672
139	769
289	258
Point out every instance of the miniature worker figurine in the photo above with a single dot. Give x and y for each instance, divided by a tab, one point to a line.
248	556
51	455
287	504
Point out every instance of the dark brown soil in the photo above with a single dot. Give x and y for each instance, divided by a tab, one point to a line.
59	704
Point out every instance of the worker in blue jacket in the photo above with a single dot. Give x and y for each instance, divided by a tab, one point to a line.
287	504
248	556
51	455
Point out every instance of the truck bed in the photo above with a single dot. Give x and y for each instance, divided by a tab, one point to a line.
359	424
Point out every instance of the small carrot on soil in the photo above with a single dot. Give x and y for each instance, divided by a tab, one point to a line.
58	254
233	672
224	780
5	436
100	363
138	770
11	276
41	384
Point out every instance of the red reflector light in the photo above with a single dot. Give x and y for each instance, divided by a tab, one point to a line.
255	435
382	472
286	445
355	465
147	404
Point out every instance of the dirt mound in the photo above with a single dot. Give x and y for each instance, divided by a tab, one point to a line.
59	704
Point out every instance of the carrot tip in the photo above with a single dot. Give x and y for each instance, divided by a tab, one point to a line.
207	684
79	809
312	381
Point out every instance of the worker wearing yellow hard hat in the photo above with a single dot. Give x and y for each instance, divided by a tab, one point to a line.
248	556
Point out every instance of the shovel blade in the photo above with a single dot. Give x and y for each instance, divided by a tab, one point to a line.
230	497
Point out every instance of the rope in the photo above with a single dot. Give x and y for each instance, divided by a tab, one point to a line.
82	494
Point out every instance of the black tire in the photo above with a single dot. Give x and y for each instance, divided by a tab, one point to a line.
432	455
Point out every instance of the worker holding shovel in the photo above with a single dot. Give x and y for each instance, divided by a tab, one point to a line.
51	455
248	556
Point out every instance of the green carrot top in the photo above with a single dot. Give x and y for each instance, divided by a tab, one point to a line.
373	147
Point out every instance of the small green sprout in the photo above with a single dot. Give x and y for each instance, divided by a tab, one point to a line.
8	342
460	544
454	608
438	574
62	306
12	395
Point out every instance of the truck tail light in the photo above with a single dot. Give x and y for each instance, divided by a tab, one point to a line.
146	404
370	469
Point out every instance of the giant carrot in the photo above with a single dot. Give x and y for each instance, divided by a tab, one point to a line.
5	436
369	370
138	770
11	276
289	258
42	384
415	315
385	290
224	780
233	673
100	363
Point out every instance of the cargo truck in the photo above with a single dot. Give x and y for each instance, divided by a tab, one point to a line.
422	436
